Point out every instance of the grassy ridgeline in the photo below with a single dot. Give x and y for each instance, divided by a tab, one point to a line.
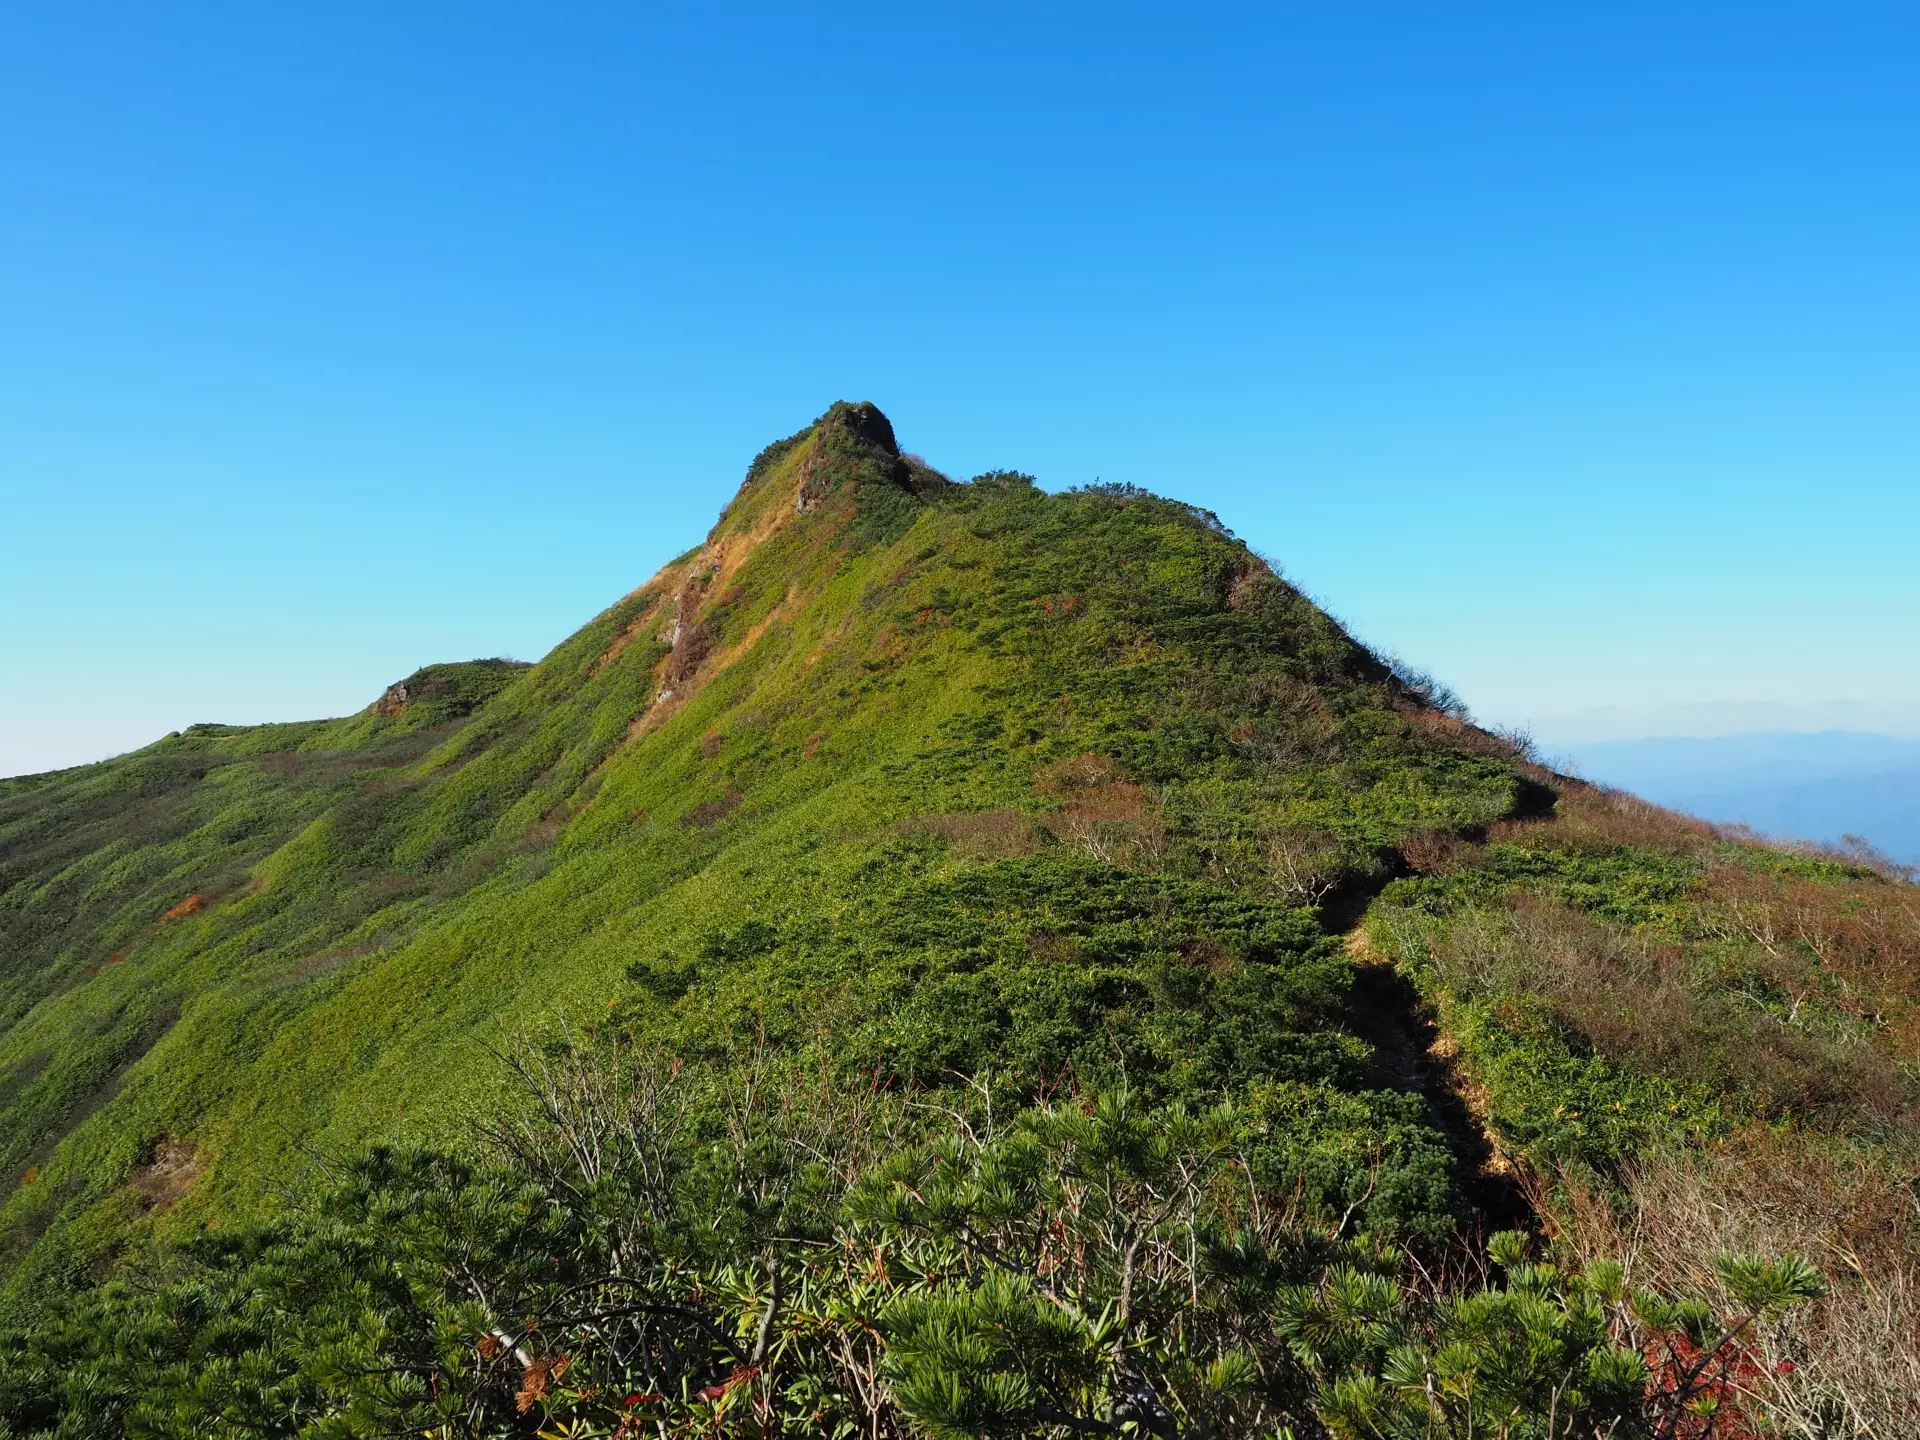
926	777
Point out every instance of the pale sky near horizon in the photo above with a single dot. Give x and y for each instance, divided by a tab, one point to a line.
1573	357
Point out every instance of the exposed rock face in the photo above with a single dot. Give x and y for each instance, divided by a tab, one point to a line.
690	636
175	1166
866	424
855	445
451	690
849	449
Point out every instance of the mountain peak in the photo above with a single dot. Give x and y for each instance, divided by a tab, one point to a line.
850	451
864	422
854	442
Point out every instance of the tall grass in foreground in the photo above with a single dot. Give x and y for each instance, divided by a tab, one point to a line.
1850	1366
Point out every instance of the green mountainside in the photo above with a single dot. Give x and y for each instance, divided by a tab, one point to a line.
945	795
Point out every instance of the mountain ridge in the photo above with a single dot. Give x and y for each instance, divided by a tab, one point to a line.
420	808
936	789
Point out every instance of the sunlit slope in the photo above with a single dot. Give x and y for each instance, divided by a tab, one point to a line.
109	874
923	776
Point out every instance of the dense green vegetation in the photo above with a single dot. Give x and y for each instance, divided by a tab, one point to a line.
946	802
653	1248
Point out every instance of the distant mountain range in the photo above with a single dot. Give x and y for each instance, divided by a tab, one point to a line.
1813	787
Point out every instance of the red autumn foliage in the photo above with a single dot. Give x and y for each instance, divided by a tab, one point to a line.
739	1377
1700	1390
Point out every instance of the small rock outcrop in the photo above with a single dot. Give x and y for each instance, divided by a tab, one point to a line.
446	692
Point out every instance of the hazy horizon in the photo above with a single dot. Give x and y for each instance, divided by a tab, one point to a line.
1820	787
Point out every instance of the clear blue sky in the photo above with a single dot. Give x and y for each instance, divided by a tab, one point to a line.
1572	352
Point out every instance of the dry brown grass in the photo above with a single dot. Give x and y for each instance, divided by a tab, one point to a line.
1593	819
631	631
1431	852
1861	937
1800	989
1846	1366
1628	996
1642	997
984	835
170	1174
1103	811
1794	989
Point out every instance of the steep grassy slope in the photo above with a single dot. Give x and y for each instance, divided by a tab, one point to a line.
111	869
928	777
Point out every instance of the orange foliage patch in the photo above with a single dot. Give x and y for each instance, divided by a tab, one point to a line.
538	1380
192	905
